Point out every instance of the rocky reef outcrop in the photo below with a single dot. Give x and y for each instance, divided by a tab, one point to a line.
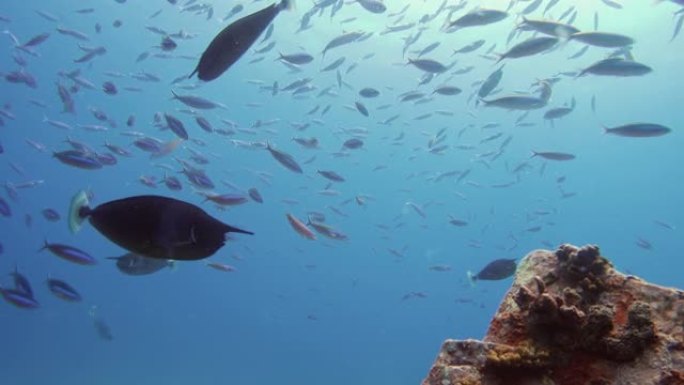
571	319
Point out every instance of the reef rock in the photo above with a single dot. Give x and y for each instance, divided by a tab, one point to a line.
571	319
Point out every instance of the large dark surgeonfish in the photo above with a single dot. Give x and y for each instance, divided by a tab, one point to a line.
234	40
134	264
154	226
495	270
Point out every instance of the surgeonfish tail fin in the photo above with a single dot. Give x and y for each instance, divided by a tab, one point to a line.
231	229
78	202
471	278
286	5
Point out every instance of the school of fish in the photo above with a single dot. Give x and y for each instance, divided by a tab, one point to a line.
186	148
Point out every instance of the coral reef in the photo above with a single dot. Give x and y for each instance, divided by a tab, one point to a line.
571	319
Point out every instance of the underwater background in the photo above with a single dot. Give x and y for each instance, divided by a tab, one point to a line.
371	309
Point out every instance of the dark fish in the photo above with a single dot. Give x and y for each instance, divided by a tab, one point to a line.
78	159
353	144
172	183
478	17
225	199
616	67
369	92
547	27
373	6
447	90
470	47
603	39
21	283
490	83
531	46
361	108
5	209
109	88
19	299
554	155
234	40
331	175
196	101
176	126
167	44
255	195
285	159
69	253
63	290
495	270
134	264
36	40
154	226
638	130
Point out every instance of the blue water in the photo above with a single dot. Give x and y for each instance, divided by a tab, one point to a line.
330	312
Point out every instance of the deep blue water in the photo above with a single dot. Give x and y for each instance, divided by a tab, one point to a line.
332	312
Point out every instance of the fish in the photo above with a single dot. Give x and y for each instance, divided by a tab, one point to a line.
638	130
478	17
196	101
495	270
560	156
69	253
326	230
373	6
602	39
490	83
234	40
63	290
447	90
334	65
369	92
255	195
616	67
344	39
136	265
222	267
361	108
529	47
176	126
296	58
516	102
300	227
154	226
284	159
224	199
5	209
331	175
428	65
470	47
21	283
19	299
353	144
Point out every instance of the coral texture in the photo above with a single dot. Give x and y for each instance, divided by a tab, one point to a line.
571	319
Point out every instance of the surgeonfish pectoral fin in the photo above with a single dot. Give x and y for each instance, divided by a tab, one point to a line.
471	278
78	202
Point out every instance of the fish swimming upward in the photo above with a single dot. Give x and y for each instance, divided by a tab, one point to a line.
234	40
154	226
